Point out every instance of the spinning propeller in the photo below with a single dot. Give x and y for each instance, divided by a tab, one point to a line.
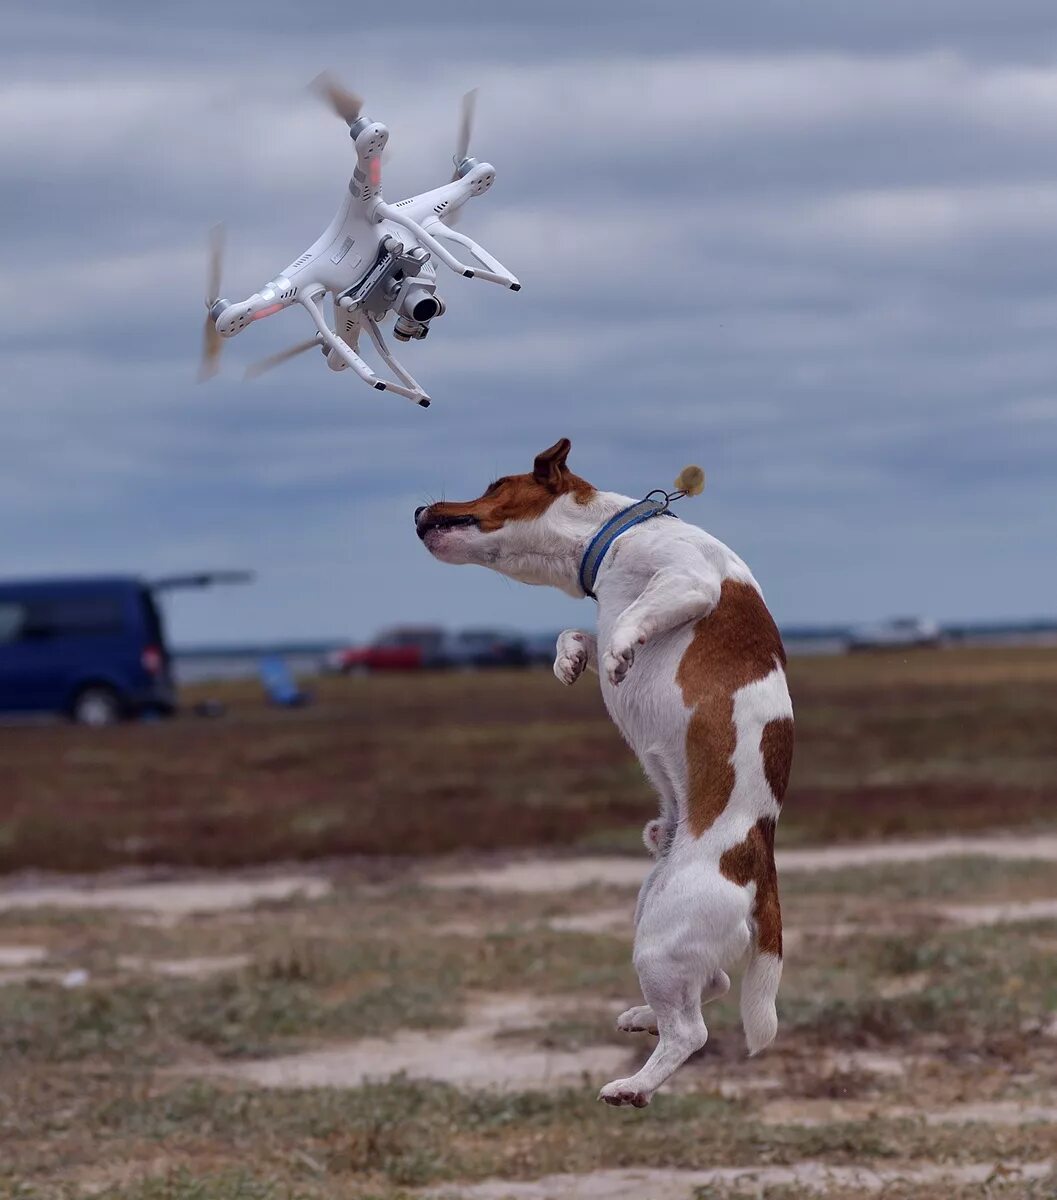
274	360
345	104
212	342
462	146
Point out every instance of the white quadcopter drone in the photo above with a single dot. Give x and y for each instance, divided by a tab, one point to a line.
373	257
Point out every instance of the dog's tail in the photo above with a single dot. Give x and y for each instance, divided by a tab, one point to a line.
759	985
759	990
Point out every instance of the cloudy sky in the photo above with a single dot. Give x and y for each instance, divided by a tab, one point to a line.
810	246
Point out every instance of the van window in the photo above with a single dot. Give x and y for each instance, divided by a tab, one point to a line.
12	619
152	619
73	616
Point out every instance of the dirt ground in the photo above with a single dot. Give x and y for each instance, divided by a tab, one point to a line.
379	1027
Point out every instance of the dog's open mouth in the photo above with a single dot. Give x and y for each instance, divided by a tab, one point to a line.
428	523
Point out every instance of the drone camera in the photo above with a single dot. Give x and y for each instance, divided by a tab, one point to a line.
406	330
420	305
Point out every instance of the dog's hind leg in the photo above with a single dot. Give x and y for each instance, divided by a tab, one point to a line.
672	986
642	1019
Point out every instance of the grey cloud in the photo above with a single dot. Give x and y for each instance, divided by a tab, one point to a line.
808	246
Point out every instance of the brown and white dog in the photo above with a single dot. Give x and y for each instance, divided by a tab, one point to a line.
691	668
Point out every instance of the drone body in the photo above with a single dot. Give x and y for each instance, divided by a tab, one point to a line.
372	259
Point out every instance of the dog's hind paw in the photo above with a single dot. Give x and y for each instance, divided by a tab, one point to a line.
640	1019
624	1091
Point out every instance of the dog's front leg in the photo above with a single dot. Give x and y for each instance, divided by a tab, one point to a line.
671	598
575	652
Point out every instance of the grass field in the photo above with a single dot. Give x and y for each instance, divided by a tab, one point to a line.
381	1022
397	765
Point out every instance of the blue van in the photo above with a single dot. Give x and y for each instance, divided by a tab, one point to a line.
91	649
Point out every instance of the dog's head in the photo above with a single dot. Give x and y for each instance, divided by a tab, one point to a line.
525	526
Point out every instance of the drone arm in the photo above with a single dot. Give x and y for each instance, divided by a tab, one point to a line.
496	272
391	213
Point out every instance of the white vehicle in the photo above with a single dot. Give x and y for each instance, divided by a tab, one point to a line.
374	258
899	632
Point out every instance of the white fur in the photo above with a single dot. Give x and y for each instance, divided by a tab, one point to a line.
692	923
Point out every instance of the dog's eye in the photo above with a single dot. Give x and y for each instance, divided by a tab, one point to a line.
494	486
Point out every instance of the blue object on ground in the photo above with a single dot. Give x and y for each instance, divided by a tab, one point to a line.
280	685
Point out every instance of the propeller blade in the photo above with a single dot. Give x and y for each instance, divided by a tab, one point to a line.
273	360
344	103
212	342
462	144
216	260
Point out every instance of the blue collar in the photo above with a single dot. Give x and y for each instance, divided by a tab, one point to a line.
598	547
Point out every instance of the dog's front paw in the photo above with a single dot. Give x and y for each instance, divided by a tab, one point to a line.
617	660
571	657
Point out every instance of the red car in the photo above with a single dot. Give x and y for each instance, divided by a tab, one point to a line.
405	649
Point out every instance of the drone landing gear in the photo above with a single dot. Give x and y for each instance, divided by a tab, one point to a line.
411	389
348	355
494	271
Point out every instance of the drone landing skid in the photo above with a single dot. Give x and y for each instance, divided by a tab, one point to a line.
348	355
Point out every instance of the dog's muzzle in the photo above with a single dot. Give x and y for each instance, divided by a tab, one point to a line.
424	523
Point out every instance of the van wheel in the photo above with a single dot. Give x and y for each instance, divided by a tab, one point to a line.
96	706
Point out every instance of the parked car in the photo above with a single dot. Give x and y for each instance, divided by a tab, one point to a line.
406	648
92	649
898	633
485	648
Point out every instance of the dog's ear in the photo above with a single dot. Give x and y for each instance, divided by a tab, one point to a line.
550	464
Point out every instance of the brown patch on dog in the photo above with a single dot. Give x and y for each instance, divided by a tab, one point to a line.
776	746
519	497
736	644
752	861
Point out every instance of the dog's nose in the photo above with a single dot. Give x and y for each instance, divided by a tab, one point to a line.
419	511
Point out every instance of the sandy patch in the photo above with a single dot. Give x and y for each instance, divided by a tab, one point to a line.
185	968
811	1113
904	985
1008	913
566	874
21	956
602	920
871	1062
814	1177
171	900
540	875
468	1056
1008	848
21	964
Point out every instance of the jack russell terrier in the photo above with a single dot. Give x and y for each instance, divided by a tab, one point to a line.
691	667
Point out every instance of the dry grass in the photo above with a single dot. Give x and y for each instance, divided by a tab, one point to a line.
887	744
